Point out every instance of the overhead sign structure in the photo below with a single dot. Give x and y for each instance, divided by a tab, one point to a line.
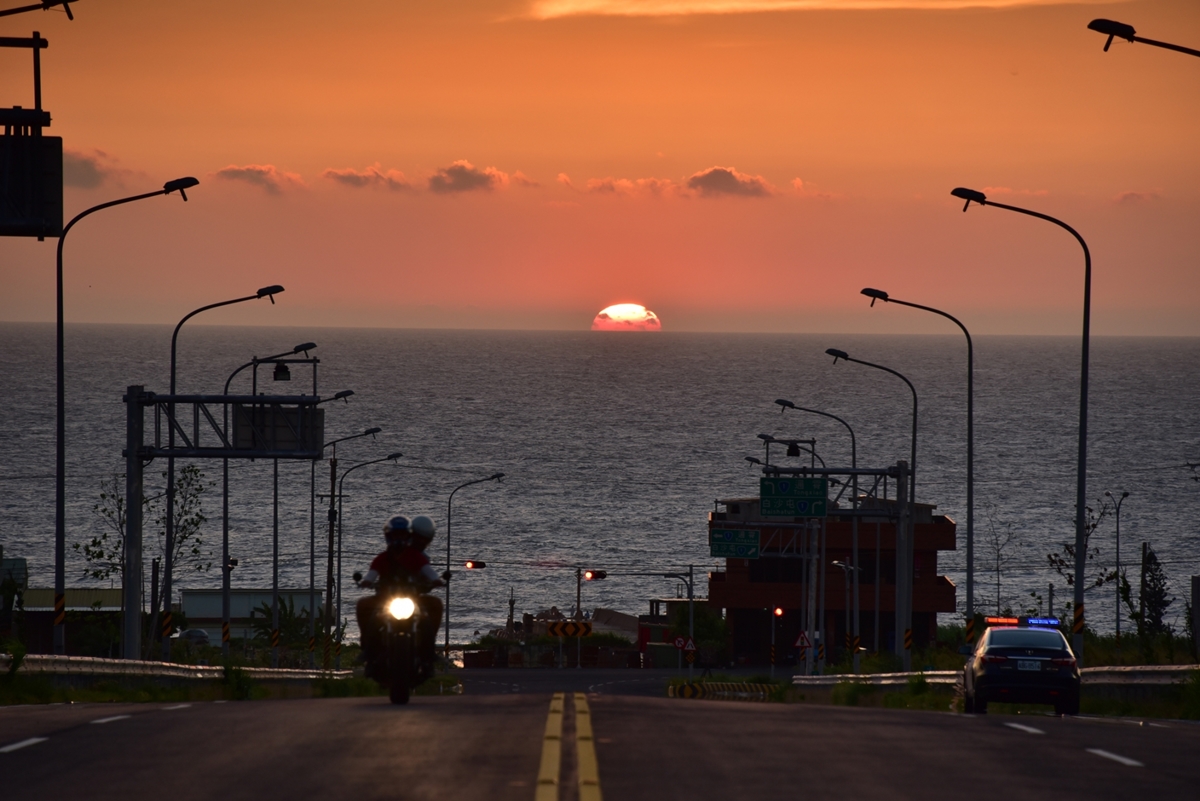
790	496
569	628
734	543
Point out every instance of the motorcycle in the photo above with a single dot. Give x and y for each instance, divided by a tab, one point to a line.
400	665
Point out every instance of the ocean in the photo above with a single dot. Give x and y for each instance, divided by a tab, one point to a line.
615	446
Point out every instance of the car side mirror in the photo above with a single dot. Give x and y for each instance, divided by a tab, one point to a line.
966	650
357	576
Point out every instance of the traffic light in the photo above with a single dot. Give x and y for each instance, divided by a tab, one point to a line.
779	611
473	565
594	575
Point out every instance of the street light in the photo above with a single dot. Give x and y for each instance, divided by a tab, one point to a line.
879	294
312	541
1117	502
971	195
851	646
304	348
60	455
265	292
391	457
903	576
1113	29
793	447
785	404
449	510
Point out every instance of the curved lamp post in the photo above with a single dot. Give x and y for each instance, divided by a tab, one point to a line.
787	404
971	195
226	566
903	575
1117	502
449	509
879	294
60	478
265	292
312	542
391	457
1113	29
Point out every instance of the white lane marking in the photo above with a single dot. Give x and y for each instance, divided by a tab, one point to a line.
1133	763
177	706
219	702
1159	726
17	746
1024	728
110	720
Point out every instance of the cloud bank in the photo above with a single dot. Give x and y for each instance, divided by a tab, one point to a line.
554	9
719	181
265	176
370	177
463	176
90	170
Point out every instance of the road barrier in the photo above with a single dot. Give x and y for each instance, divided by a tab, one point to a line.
95	666
722	691
1095	676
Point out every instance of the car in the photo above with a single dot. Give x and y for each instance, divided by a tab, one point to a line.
195	636
1022	664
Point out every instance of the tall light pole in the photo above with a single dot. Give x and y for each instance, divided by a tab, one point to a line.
1117	502
971	195
879	294
1114	29
60	451
391	457
265	292
312	544
904	598
449	518
787	404
226	567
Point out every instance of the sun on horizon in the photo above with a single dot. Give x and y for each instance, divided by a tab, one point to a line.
626	317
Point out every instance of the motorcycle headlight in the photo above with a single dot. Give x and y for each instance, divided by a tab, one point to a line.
401	608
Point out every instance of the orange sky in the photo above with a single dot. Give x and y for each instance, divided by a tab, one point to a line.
518	164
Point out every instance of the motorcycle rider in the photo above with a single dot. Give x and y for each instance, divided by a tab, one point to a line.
404	562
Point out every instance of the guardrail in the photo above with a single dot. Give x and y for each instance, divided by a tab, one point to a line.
96	666
1140	674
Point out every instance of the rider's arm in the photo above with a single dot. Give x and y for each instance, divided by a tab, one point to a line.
431	576
370	579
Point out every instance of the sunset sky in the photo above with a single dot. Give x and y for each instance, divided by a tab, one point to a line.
733	165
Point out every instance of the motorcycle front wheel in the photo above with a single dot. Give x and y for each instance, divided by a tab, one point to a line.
399	668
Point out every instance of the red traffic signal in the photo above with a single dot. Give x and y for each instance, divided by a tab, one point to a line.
778	611
594	575
471	565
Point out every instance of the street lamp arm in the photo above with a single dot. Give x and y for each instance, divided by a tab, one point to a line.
175	334
44	5
307	346
1087	254
1113	29
787	404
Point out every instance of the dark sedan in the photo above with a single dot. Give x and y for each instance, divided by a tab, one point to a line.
1023	666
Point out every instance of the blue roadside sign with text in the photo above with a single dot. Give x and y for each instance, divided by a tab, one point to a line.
733	543
787	496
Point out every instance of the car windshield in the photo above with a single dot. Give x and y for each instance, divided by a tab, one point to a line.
1026	638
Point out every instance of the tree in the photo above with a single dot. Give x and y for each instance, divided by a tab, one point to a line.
104	553
997	542
1063	561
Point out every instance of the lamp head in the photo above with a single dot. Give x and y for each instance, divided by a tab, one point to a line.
969	195
1111	29
181	184
304	348
793	449
269	292
766	437
753	460
394	456
282	373
345	393
837	354
875	294
372	431
785	404
495	476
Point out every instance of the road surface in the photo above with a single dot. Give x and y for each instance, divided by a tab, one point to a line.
488	742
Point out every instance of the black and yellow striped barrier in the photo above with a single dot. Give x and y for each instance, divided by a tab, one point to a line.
908	639
274	638
224	632
722	690
60	609
970	630
167	625
312	644
1077	628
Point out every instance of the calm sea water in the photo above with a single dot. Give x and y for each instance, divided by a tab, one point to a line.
615	446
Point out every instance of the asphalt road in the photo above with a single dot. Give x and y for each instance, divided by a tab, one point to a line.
487	745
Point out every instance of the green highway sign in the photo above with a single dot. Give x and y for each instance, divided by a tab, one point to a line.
733	543
788	496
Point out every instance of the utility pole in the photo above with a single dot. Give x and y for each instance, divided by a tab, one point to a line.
328	616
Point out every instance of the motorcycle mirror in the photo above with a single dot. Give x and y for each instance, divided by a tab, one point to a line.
357	576
446	575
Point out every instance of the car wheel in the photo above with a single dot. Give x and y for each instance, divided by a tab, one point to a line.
968	704
1068	706
980	706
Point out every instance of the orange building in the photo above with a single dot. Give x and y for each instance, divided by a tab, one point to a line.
750	589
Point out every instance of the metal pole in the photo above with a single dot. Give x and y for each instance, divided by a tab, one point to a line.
275	570
579	616
132	624
312	565
691	620
878	557
333	516
901	549
823	626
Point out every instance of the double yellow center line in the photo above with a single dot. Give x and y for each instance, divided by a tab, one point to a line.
550	770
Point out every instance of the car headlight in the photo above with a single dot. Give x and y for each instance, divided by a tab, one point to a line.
401	608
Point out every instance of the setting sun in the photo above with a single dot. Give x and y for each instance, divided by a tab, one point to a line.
626	317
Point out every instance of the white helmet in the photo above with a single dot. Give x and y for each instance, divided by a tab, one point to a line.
423	527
